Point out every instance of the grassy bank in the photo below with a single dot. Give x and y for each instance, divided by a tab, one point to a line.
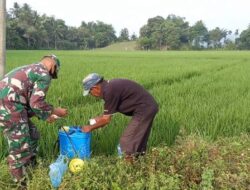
191	163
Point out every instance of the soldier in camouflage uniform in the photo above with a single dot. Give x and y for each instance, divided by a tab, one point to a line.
22	95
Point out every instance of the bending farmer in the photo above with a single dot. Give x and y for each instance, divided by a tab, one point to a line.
22	95
129	98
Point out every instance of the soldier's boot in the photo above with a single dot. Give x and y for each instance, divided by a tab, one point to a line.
19	178
18	174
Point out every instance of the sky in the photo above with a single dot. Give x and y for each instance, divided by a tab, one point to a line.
133	14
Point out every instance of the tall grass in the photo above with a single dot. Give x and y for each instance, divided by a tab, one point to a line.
205	93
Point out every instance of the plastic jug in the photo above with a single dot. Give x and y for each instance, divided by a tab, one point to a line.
57	170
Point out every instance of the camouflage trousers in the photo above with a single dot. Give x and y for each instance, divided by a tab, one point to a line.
20	132
22	141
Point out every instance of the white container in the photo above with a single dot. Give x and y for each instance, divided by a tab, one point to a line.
119	151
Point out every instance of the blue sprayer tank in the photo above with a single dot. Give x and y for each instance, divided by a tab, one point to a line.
80	140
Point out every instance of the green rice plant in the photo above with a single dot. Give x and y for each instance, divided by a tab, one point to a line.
204	93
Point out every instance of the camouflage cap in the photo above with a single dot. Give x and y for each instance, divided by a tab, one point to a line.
58	64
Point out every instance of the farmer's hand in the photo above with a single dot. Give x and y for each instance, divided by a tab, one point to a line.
86	128
60	112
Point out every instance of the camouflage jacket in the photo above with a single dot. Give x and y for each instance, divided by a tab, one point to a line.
26	87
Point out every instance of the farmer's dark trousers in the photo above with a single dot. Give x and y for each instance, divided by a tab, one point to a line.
134	138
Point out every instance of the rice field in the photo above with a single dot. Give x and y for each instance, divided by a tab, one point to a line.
204	101
202	93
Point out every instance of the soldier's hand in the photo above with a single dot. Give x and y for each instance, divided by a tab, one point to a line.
86	129
51	119
60	112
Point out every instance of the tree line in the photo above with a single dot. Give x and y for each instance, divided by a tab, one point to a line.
175	33
26	29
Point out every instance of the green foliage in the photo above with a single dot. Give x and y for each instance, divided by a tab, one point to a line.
124	35
196	91
244	40
160	33
28	30
202	95
215	37
198	35
191	163
207	179
229	45
174	33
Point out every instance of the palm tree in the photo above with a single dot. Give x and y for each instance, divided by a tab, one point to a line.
56	29
2	36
